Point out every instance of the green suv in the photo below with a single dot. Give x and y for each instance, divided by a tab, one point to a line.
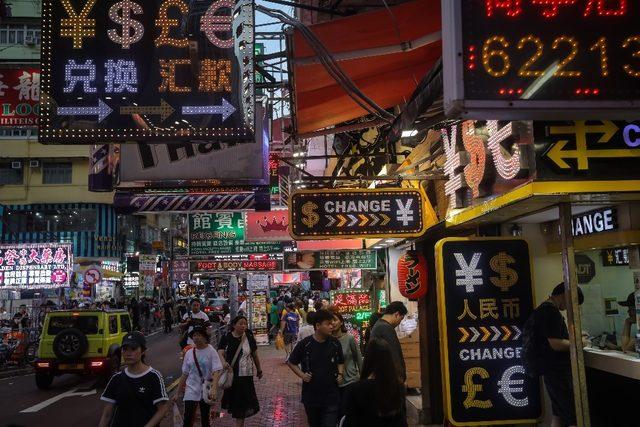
80	342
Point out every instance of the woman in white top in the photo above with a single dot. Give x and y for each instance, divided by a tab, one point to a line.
200	363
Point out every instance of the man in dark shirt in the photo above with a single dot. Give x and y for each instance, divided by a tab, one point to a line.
384	329
168	318
21	319
319	362
551	338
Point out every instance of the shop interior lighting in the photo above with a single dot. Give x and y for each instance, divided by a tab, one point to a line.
409	133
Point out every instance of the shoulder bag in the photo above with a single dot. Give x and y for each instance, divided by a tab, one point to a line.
226	378
206	382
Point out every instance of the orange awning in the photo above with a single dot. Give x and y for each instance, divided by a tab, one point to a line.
388	79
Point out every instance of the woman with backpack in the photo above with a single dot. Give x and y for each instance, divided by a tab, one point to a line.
239	350
201	365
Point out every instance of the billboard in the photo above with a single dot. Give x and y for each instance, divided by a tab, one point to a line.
267	226
20	95
160	70
330	260
26	266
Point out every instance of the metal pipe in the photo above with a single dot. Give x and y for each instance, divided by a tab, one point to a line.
342	129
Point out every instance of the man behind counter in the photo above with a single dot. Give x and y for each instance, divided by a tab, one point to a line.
628	339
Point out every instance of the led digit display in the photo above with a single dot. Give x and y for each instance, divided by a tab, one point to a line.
140	70
568	55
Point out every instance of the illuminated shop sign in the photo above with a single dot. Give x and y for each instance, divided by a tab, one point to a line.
485	297
535	58
321	214
131	281
484	157
35	265
331	260
355	307
161	70
594	222
240	265
615	257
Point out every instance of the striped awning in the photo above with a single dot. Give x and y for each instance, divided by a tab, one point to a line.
128	203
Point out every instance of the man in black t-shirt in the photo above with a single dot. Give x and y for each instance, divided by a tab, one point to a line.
551	338
319	362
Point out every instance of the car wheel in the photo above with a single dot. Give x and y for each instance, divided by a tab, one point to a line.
44	380
31	352
70	344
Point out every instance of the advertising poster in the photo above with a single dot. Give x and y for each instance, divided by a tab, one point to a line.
330	260
35	265
267	226
355	307
258	286
222	233
20	93
485	297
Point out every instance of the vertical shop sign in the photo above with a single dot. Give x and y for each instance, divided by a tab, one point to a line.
180	270
355	307
485	297
258	286
412	275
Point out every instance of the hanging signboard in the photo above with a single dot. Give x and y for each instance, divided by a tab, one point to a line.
35	265
355	307
389	212
160	70
484	297
180	270
541	59
258	286
20	94
330	260
236	265
615	257
267	226
585	150
222	233
147	263
412	275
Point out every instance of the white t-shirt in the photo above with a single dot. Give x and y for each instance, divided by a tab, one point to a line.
198	315
209	363
305	331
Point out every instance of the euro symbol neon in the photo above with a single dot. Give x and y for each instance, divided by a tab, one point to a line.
509	386
472	389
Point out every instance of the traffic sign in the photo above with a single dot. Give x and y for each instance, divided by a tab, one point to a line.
92	276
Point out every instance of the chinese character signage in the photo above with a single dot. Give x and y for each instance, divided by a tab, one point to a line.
20	96
160	70
267	226
180	270
510	59
587	150
484	298
35	265
258	286
330	260
222	233
321	214
240	265
148	264
355	307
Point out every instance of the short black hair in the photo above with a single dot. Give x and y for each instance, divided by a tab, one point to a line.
311	317
322	316
195	300
396	307
559	290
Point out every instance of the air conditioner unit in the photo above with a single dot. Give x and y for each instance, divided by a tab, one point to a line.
34	164
29	39
16	165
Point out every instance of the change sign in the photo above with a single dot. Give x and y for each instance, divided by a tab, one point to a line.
484	298
160	70
319	214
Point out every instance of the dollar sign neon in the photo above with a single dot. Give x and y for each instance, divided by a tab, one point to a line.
508	276
472	388
311	218
128	25
474	144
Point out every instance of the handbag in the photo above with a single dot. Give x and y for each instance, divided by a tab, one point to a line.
226	378
206	383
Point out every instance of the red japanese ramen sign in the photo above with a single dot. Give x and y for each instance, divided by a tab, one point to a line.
412	275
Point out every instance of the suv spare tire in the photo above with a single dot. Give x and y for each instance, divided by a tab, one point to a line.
70	344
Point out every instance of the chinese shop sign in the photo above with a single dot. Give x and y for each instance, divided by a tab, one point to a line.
541	58
258	286
222	233
161	70
355	307
586	150
484	298
35	265
240	265
483	158
321	214
330	260
20	96
180	270
615	257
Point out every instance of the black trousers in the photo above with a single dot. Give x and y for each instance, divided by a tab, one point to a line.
167	324
190	412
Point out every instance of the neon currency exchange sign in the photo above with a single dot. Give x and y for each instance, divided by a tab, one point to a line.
130	70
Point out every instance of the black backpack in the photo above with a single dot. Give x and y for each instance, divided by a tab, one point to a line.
531	355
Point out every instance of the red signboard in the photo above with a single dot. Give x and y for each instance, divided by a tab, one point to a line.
243	265
412	275
35	265
267	226
20	96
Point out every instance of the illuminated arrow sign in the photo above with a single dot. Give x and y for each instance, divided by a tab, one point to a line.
102	111
224	109
164	110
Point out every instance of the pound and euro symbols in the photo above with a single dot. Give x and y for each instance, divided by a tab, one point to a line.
311	218
507	387
508	276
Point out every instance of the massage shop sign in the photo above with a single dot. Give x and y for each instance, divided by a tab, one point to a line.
222	233
136	70
484	298
35	265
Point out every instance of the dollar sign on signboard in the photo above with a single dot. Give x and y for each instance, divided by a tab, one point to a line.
471	389
508	276
474	144
311	217
132	30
